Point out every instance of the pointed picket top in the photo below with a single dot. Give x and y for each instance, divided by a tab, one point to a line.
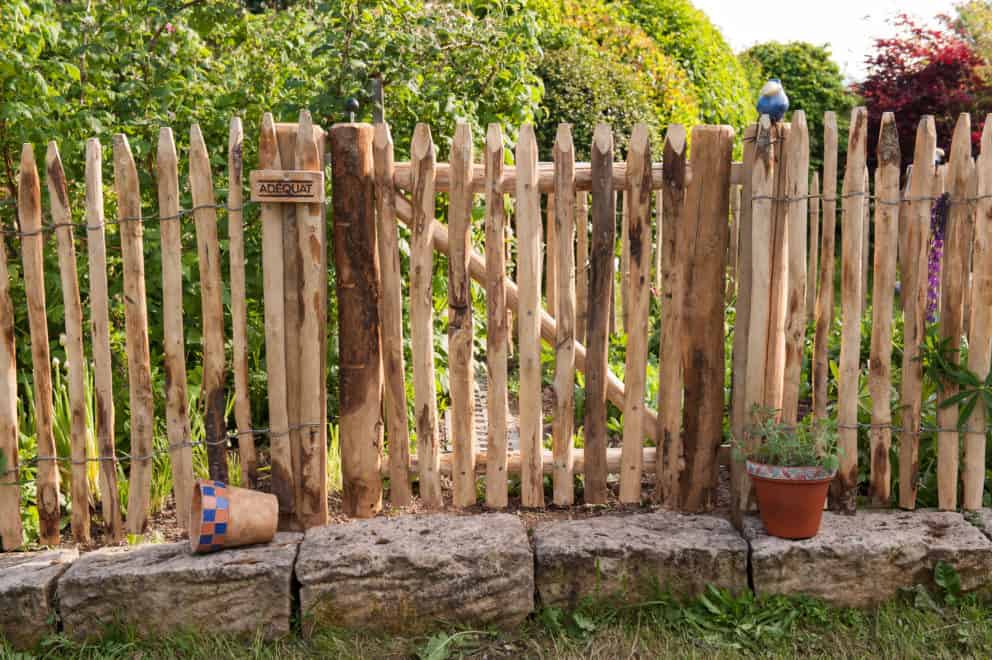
422	144
888	141
125	172
197	146
526	157
986	143
924	149
268	146
799	140
563	139
94	178
56	184
307	154
638	147
602	138
235	143
461	144
29	187
166	155
494	137
960	164
382	138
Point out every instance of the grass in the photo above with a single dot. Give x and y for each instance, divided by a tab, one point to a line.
714	625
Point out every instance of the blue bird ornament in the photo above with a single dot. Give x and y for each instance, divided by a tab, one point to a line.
773	101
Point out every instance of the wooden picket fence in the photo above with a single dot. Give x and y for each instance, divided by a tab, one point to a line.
759	234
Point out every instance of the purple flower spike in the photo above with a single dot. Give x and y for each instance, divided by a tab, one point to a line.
938	226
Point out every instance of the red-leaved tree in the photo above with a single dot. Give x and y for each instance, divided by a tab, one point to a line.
924	71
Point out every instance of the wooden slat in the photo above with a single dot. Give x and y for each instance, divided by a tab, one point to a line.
980	326
865	245
880	371
637	305
239	302
550	258
364	498
528	214
391	317
954	272
58	197
624	274
762	187
812	266
564	380
422	314
600	283
659	242
843	489
211	304
913	295
174	346
461	367
273	268
581	265
103	382
669	440
11	531
136	323
733	249
497	321
797	206
778	292
705	236
742	311
825	281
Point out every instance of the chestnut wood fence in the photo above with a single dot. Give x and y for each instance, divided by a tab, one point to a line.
699	232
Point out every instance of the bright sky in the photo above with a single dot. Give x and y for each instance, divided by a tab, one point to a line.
848	26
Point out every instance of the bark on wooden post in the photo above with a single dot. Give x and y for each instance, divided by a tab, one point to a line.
814	245
177	423
422	228
239	302
391	316
273	272
705	236
843	489
880	363
211	304
103	382
762	188
913	268
954	273
58	197
980	326
581	265
600	291
136	324
11	532
564	381
779	289
461	369
796	191
669	441
636	305
825	281
529	318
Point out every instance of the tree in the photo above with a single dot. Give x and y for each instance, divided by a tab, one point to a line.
924	71
812	80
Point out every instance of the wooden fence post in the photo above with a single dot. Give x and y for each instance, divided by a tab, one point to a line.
844	487
362	499
980	326
581	265
273	269
636	307
529	316
914	291
103	382
177	402
865	244
497	323
11	532
954	273
778	291
211	304
880	368
600	291
825	283
760	201
391	316
422	170
814	245
239	302
671	459
564	380
797	205
461	371
136	322
704	236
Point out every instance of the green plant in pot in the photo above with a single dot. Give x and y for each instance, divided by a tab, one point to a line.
791	468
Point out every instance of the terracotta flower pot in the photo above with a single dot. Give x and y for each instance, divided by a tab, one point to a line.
790	499
225	516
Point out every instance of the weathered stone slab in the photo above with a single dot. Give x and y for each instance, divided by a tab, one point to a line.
162	588
413	572
27	594
631	556
864	559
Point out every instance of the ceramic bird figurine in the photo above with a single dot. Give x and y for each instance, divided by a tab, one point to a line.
773	101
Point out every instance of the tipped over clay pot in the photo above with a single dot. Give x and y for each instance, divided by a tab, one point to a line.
225	516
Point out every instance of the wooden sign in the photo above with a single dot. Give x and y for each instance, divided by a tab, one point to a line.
291	186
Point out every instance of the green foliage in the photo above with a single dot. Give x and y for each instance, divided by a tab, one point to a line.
812	80
811	442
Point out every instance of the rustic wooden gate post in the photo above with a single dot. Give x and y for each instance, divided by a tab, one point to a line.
356	262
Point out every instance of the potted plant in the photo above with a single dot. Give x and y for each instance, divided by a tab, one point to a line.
791	468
